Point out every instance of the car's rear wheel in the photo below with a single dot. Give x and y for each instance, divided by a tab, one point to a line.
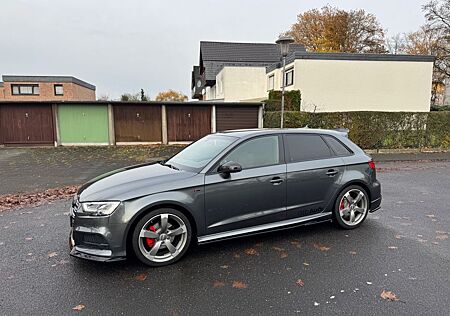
161	237
351	207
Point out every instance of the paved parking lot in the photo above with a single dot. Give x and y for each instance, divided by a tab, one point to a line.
403	248
33	169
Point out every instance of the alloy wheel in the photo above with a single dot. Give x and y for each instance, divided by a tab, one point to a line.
163	237
353	207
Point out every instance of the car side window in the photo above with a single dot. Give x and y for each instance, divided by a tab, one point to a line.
304	147
257	152
339	148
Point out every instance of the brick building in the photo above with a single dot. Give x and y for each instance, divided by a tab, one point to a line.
45	88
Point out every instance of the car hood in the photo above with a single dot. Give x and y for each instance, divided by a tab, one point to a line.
130	182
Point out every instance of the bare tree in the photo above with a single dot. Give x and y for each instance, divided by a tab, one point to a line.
395	44
437	14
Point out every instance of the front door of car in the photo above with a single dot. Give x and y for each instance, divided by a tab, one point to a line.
254	196
313	173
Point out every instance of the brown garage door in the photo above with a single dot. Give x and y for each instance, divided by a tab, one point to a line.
188	123
26	124
234	117
137	123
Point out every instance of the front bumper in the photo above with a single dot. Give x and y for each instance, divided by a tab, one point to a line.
94	254
97	238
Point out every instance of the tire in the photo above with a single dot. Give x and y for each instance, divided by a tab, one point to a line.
161	237
349	215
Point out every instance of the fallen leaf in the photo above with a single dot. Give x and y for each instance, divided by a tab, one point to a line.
277	249
284	254
52	254
305	263
441	237
251	251
296	243
388	295
141	277
239	285
79	307
300	282
11	201
321	247
352	252
218	284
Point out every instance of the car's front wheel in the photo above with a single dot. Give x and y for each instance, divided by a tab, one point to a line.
351	207
161	237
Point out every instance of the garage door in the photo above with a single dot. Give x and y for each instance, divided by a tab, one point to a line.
83	124
26	124
234	117
188	123
137	123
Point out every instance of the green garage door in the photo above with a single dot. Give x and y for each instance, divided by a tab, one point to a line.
83	124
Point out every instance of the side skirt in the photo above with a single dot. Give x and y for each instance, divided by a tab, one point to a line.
260	229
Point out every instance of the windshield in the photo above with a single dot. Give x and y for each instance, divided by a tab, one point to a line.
196	156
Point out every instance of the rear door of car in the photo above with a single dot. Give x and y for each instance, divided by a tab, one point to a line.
313	174
254	196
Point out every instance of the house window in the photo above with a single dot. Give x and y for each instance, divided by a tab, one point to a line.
289	77
59	90
271	83
28	89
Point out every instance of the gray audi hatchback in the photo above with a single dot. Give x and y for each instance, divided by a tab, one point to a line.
224	185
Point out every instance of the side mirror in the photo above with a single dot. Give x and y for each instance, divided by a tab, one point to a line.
229	167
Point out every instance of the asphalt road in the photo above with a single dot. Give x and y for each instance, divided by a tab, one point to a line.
403	248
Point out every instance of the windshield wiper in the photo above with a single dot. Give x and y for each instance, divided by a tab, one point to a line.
170	166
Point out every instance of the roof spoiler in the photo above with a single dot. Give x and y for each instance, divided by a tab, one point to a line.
343	131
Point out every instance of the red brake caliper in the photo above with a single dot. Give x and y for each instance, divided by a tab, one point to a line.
150	241
341	206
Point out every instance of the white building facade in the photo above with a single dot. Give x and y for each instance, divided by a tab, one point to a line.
332	82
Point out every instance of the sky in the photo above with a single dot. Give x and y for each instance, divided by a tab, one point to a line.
123	46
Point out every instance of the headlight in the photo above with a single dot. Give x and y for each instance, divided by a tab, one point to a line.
99	208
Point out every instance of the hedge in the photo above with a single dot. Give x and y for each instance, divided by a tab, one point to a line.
376	130
292	100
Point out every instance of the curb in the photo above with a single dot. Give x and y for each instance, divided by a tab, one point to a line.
405	151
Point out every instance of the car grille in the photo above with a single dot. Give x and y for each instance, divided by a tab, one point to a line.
91	240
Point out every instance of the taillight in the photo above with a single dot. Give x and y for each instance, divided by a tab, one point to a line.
372	165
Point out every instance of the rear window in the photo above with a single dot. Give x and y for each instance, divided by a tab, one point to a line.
338	148
304	147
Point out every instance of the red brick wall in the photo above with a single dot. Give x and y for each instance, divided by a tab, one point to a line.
72	92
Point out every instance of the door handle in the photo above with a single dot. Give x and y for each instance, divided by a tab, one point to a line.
332	172
276	181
